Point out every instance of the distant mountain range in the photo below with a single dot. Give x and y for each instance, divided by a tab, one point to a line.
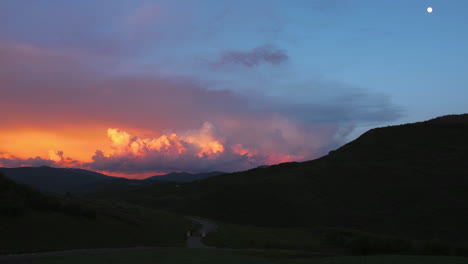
409	180
184	176
47	179
63	180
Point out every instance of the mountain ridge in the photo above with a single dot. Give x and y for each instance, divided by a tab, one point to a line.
184	176
74	180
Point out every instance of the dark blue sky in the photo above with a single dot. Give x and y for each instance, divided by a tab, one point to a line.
305	76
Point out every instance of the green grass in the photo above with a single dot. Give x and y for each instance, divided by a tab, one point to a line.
238	236
116	225
193	256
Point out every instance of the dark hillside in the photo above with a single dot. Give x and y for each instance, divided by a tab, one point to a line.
17	200
79	181
31	221
410	180
184	176
54	180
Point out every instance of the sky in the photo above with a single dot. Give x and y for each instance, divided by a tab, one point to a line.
139	88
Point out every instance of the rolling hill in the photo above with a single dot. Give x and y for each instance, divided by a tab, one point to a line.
184	176
409	180
32	222
79	181
53	180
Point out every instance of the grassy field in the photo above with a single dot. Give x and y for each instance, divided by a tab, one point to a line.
34	222
180	255
327	240
116	225
238	236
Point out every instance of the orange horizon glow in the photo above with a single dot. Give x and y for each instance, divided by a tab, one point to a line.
139	175
239	149
77	142
75	148
28	143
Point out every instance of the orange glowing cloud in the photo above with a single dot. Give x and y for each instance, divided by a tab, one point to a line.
55	156
196	150
239	149
171	144
276	158
205	139
124	143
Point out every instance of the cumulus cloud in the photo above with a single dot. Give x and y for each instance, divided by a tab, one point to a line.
195	150
266	54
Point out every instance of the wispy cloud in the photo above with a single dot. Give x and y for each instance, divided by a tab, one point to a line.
266	54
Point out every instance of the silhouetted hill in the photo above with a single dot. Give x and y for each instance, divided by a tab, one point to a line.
31	221
409	180
79	181
184	176
15	199
56	180
112	183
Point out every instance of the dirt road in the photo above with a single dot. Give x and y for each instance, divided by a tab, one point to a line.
207	227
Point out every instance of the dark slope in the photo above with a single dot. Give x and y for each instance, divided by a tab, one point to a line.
184	176
79	181
56	180
112	183
408	180
116	183
16	199
31	221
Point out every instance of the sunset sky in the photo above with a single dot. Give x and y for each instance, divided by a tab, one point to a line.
138	88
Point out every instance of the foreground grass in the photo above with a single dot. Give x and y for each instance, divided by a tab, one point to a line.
238	236
331	240
116	225
181	255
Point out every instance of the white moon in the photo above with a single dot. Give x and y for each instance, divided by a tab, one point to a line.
429	9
